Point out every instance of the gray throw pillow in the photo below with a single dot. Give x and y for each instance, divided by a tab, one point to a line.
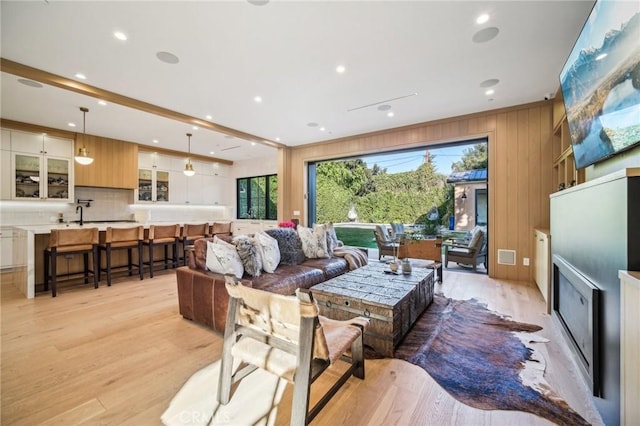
247	249
289	244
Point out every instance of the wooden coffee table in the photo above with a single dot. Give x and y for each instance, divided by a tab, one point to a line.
391	302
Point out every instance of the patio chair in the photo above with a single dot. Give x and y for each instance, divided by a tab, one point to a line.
472	254
397	230
386	245
285	336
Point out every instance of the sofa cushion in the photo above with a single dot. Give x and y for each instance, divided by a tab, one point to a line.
330	267
249	253
287	278
314	241
289	244
269	251
223	258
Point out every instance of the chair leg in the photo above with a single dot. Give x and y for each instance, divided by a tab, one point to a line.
175	254
46	270
150	259
108	264
129	261
85	261
54	272
140	268
166	255
96	264
357	357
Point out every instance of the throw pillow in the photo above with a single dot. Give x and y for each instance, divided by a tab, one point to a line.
224	259
314	241
289	244
249	253
332	238
269	251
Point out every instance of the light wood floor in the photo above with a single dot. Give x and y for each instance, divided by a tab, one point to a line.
117	355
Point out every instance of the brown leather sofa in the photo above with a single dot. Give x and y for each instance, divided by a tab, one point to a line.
203	298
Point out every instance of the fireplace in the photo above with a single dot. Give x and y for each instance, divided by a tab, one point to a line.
576	306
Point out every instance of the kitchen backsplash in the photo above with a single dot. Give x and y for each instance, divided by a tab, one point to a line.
107	205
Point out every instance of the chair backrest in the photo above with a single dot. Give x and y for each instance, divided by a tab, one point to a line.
164	231
221	228
60	238
382	234
477	240
275	315
122	235
195	230
397	230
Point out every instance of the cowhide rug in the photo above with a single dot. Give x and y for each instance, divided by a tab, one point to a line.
479	357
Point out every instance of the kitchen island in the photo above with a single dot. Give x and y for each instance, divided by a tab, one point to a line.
29	242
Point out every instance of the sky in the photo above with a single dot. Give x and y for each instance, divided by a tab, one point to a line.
407	161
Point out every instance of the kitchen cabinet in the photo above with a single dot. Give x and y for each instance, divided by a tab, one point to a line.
250	227
6	247
36	166
153	186
115	163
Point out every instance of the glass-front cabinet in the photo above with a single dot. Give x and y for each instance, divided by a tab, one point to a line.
153	185
38	177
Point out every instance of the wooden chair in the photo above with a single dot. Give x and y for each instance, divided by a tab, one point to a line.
166	236
70	241
121	239
386	245
285	336
474	253
220	228
190	233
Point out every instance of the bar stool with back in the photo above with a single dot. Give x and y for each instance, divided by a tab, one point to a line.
120	239
164	235
64	242
190	233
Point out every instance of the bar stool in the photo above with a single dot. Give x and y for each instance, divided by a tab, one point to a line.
220	228
165	235
70	241
190	233
120	239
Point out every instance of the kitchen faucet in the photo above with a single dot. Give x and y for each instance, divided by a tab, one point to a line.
79	207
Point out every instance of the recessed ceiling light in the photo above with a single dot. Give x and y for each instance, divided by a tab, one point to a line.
195	127
29	83
485	35
253	144
211	152
390	114
120	35
72	124
489	92
258	99
482	18
208	117
155	141
103	103
81	76
490	82
340	69
322	129
277	139
167	57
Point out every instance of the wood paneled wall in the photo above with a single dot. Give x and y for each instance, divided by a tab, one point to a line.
520	171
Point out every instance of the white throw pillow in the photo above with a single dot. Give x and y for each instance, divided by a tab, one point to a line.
224	259
314	241
269	251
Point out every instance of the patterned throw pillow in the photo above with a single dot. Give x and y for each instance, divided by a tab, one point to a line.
269	252
289	244
314	241
249	253
332	239
223	259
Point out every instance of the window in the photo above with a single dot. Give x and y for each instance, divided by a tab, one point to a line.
257	197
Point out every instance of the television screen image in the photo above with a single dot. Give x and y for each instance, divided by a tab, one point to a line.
600	83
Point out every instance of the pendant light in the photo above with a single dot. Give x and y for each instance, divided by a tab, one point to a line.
188	168
83	155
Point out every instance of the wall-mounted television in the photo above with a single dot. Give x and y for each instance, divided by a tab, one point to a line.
600	83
